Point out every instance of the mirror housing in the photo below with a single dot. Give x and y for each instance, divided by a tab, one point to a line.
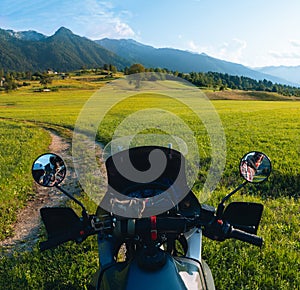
48	170
255	167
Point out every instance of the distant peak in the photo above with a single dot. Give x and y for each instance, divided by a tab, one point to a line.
26	35
63	30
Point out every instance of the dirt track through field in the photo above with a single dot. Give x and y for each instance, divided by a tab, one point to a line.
26	228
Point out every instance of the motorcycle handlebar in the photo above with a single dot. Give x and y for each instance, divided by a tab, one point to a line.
181	225
143	226
245	237
175	225
168	224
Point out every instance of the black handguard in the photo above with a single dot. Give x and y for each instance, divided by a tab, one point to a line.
78	233
62	225
54	242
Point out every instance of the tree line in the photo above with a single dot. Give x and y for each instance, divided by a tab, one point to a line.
11	80
222	81
212	80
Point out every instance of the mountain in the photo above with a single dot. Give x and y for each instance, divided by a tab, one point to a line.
63	51
27	35
182	61
290	73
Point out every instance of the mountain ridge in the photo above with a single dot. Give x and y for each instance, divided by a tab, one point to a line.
30	35
180	60
65	51
62	51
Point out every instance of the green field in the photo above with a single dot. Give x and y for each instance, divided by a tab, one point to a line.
269	126
20	144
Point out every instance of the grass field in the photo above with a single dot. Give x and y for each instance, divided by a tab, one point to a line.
20	144
269	126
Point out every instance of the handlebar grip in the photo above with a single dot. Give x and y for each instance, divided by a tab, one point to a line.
246	237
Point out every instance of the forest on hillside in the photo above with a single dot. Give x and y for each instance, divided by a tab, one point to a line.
11	80
221	81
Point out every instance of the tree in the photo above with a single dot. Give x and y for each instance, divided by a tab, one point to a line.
9	83
45	80
136	68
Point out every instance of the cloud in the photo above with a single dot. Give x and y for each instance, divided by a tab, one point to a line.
285	55
123	29
290	56
91	18
231	50
295	43
193	46
101	19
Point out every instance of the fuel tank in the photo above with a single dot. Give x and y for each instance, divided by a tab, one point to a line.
175	273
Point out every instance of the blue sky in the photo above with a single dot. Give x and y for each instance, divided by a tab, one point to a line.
250	32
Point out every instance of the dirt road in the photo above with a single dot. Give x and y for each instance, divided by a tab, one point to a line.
26	228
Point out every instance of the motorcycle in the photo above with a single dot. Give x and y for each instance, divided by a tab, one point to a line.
159	251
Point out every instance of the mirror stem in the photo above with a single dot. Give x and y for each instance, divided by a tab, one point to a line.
221	206
233	192
84	212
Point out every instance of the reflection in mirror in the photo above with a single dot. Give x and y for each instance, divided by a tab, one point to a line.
48	170
255	167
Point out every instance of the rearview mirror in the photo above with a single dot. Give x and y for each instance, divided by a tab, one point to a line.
255	167
48	170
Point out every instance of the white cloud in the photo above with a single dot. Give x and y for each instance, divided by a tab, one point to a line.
286	55
290	56
124	30
99	19
295	43
193	46
231	50
94	19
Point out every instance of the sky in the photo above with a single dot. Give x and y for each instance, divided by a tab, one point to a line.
254	33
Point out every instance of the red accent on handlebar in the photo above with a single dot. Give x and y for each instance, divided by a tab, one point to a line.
153	228
220	222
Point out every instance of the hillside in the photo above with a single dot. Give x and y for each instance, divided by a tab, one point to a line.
179	60
63	51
